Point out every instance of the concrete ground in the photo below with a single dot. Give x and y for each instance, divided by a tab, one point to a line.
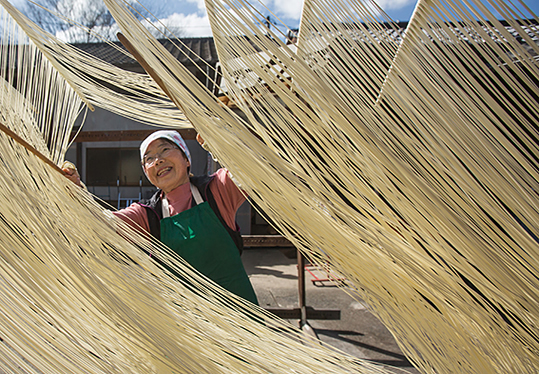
358	332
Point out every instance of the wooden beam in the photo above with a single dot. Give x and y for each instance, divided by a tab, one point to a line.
124	136
295	313
266	241
30	148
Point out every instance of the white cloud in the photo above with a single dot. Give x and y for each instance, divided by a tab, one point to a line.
191	24
290	9
394	4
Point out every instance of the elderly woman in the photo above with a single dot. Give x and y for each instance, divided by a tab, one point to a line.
194	216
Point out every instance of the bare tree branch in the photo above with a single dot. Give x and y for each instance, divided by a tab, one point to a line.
90	17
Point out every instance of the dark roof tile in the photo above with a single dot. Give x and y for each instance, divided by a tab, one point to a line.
191	51
186	50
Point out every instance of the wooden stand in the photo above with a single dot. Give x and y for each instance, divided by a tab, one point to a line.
303	313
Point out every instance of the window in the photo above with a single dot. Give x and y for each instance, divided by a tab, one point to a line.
106	166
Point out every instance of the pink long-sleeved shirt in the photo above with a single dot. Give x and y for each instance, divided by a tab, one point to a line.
227	196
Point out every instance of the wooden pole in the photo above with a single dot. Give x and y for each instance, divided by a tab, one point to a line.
28	146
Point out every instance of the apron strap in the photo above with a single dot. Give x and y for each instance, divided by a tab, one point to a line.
196	195
164	207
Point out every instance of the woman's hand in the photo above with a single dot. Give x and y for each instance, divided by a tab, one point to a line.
71	172
200	140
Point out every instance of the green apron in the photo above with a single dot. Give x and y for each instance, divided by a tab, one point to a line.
199	238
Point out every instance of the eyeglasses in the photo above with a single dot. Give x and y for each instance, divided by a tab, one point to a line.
149	160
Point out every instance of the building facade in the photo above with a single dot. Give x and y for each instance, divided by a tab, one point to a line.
106	148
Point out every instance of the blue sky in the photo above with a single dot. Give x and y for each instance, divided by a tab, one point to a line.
192	15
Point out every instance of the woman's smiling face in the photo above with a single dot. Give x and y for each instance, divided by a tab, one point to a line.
165	165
